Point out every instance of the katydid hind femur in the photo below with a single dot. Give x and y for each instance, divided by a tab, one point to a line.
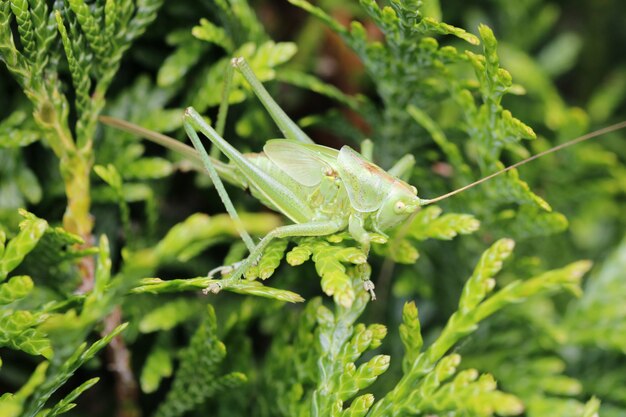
324	191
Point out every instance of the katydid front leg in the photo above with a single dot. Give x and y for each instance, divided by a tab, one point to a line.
321	228
356	227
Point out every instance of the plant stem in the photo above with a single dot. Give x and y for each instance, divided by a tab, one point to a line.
75	170
119	363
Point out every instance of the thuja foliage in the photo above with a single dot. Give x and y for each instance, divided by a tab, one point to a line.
105	243
43	330
91	39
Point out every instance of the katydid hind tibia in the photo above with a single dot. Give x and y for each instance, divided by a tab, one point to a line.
321	190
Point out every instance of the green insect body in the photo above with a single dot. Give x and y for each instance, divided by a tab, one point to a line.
321	190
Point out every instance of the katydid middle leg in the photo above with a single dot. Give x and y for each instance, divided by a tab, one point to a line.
318	228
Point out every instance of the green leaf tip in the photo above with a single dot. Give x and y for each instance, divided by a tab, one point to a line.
592	408
258	289
15	289
158	365
31	231
157	285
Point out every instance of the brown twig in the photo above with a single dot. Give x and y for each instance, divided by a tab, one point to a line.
86	268
118	357
78	220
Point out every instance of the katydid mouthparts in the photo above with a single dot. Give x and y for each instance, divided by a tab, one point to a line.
320	189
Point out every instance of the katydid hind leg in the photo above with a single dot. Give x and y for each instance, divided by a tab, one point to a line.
286	125
223	109
321	228
286	200
219	186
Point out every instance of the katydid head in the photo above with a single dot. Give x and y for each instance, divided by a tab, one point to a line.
398	205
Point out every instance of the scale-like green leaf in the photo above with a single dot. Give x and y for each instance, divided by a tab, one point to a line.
209	32
410	334
168	315
270	260
197	377
14	132
16	288
158	366
66	403
31	230
429	224
18	331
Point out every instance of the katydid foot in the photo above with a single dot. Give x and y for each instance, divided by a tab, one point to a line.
369	286
364	271
217	286
213	288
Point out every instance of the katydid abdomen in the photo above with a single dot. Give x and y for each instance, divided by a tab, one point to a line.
312	196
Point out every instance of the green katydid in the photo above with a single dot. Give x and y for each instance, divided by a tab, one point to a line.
322	190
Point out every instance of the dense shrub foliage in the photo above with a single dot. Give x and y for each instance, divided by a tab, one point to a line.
507	299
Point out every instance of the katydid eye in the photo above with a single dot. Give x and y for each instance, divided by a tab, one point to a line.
399	207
